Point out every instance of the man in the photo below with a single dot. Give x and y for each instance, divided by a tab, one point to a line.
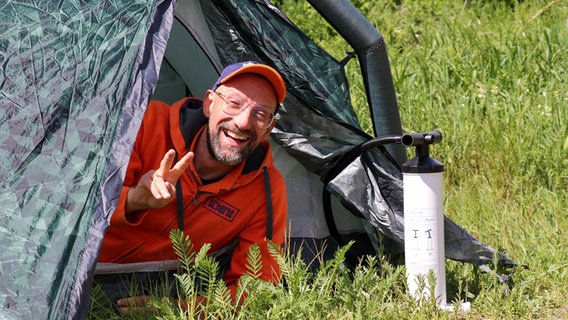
232	193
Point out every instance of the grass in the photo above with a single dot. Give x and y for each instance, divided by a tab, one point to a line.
492	77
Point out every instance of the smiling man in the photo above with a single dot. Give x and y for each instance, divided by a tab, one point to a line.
205	167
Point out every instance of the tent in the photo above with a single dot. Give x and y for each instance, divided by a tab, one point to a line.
76	78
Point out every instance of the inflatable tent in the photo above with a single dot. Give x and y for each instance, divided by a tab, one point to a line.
76	78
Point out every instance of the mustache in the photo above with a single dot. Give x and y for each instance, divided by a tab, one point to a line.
232	127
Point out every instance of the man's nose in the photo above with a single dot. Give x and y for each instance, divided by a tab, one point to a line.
243	119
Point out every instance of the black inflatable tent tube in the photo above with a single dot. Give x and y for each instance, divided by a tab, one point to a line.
371	50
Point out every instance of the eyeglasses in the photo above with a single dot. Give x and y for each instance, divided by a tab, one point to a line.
261	118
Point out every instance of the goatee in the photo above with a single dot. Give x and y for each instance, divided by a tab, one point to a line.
229	155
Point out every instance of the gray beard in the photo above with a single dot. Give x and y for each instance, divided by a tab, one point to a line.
230	156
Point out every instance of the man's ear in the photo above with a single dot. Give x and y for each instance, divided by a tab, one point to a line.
268	130
207	103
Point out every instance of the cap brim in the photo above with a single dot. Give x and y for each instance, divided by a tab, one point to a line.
265	71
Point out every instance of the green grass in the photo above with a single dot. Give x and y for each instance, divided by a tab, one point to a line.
492	77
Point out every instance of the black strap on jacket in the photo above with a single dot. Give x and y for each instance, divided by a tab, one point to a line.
269	209
179	202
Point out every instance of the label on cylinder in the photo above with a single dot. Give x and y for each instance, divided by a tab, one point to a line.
424	232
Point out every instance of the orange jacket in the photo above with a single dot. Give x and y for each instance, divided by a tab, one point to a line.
234	207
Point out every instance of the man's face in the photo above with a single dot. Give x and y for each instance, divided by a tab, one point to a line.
231	139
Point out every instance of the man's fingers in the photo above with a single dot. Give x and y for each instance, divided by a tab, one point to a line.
137	301
182	164
164	179
166	163
134	310
160	178
133	304
160	188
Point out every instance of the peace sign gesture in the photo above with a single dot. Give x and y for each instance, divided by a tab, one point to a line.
156	188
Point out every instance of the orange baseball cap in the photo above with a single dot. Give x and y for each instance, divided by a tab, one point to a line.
254	67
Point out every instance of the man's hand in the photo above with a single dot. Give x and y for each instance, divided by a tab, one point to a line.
156	188
134	305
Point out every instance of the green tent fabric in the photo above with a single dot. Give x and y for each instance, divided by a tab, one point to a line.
76	77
